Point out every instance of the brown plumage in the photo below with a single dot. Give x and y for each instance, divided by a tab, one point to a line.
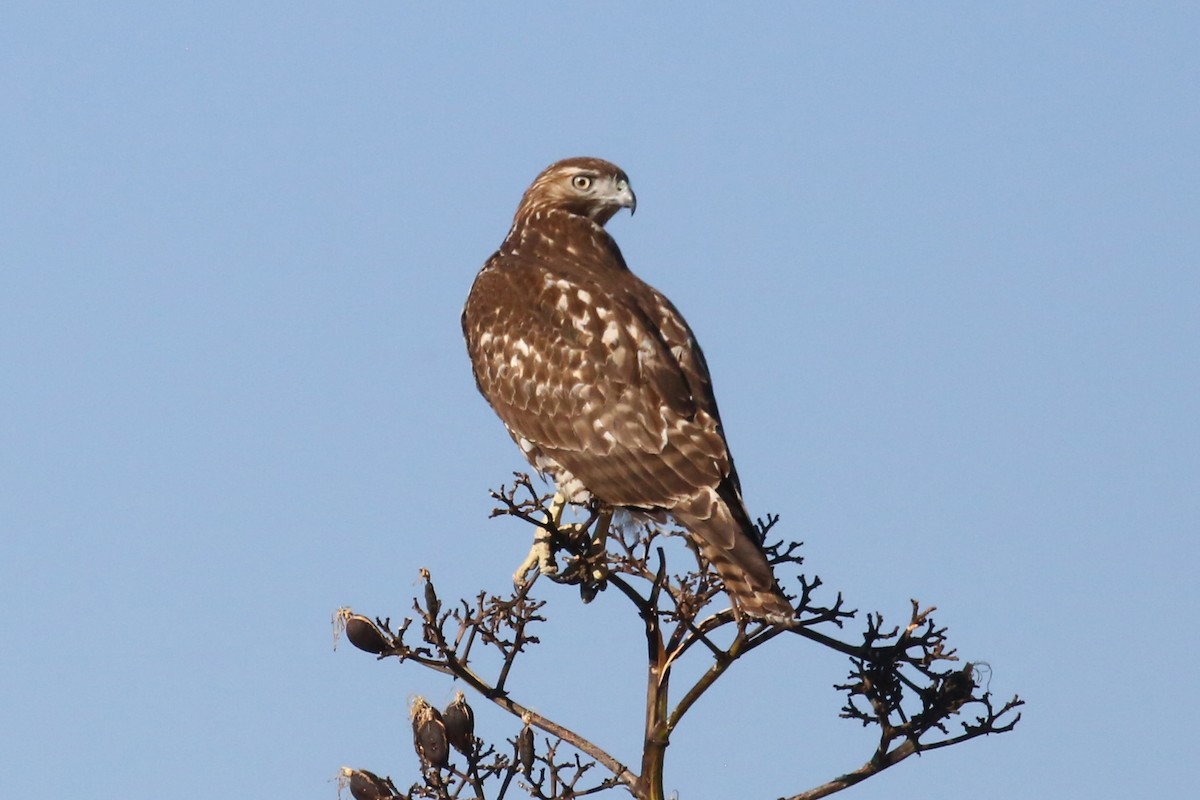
600	381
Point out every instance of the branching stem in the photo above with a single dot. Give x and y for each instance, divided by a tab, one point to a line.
901	680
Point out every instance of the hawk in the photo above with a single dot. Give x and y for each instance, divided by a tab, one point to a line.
600	382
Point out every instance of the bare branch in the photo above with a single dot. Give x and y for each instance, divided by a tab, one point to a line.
904	681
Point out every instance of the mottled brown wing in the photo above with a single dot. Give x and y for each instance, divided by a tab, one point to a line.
603	379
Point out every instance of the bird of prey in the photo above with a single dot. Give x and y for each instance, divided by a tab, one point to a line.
600	382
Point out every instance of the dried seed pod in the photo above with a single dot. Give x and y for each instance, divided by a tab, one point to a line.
460	724
432	604
364	634
429	734
366	785
525	750
956	687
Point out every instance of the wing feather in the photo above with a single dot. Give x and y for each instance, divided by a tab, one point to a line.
608	383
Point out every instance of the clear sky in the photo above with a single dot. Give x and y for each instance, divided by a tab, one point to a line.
944	261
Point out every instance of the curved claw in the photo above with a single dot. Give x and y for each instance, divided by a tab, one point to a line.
541	558
541	555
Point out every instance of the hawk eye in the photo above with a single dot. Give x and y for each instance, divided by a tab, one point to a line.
581	182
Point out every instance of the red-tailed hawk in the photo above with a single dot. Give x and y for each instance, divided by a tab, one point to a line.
600	381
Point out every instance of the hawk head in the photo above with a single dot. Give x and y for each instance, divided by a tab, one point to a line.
586	187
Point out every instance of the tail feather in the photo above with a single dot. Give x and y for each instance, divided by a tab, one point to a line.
725	537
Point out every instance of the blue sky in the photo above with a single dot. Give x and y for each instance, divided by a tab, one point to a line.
943	260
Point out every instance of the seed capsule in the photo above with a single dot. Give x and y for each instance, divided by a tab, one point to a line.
429	734
525	751
363	634
366	785
432	604
460	724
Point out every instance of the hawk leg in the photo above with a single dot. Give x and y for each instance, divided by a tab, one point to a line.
589	570
541	555
596	563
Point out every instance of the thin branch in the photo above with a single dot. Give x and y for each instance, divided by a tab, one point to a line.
904	681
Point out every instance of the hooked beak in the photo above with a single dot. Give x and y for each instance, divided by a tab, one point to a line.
626	198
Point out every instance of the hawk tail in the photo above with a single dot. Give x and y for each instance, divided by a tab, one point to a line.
726	538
